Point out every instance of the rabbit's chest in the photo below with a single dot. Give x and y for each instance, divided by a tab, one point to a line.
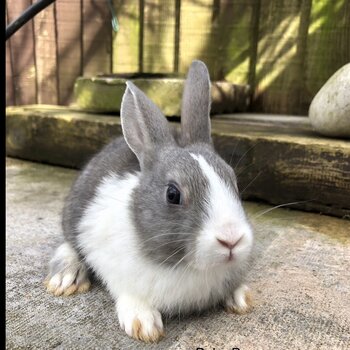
189	291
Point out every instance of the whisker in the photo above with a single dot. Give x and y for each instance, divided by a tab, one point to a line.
171	256
167	234
256	176
184	273
279	206
241	171
233	152
170	242
186	255
235	167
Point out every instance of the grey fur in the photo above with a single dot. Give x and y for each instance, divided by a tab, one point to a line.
175	165
144	127
163	158
195	109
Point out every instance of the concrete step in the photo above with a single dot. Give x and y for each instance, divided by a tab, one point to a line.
299	281
278	159
104	94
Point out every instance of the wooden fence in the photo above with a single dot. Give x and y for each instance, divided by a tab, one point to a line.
285	49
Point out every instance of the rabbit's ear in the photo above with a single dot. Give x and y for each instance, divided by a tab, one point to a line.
144	126
195	118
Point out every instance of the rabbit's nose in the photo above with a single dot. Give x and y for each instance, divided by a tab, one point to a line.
228	244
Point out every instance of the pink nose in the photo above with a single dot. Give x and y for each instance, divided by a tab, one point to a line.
228	244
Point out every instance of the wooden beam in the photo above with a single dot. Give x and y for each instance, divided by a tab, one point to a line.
278	162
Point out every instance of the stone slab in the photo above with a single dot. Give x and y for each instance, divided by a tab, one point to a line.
104	94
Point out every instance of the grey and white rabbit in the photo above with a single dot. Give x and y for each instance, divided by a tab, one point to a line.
157	217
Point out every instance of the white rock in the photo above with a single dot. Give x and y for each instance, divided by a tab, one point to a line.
329	111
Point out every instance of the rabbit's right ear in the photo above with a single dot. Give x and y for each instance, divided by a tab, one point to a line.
145	128
195	111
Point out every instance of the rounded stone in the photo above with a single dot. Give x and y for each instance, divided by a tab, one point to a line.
329	111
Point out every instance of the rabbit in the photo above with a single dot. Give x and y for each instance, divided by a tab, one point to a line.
157	216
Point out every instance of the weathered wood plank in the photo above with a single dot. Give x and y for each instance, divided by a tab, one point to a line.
280	57
56	135
23	58
126	40
69	45
46	56
97	38
278	163
159	36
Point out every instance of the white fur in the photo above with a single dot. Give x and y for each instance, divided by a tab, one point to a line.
60	281
110	244
239	297
226	221
130	308
238	301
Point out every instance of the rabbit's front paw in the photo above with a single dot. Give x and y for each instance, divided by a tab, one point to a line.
241	301
139	320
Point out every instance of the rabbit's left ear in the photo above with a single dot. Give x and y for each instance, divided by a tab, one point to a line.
195	111
144	126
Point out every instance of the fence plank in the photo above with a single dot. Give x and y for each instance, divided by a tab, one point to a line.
126	40
280	59
220	34
159	36
69	34
328	43
22	50
195	20
97	37
45	53
10	96
232	40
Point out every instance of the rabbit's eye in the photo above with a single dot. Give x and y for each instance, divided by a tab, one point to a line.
173	195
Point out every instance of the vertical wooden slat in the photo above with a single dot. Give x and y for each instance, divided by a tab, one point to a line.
233	40
177	35
141	32
195	19
23	56
159	34
45	53
10	96
69	47
328	43
219	33
126	40
279	61
254	38
301	105
97	38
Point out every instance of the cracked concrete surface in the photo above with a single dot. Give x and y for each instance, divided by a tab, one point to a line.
300	281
